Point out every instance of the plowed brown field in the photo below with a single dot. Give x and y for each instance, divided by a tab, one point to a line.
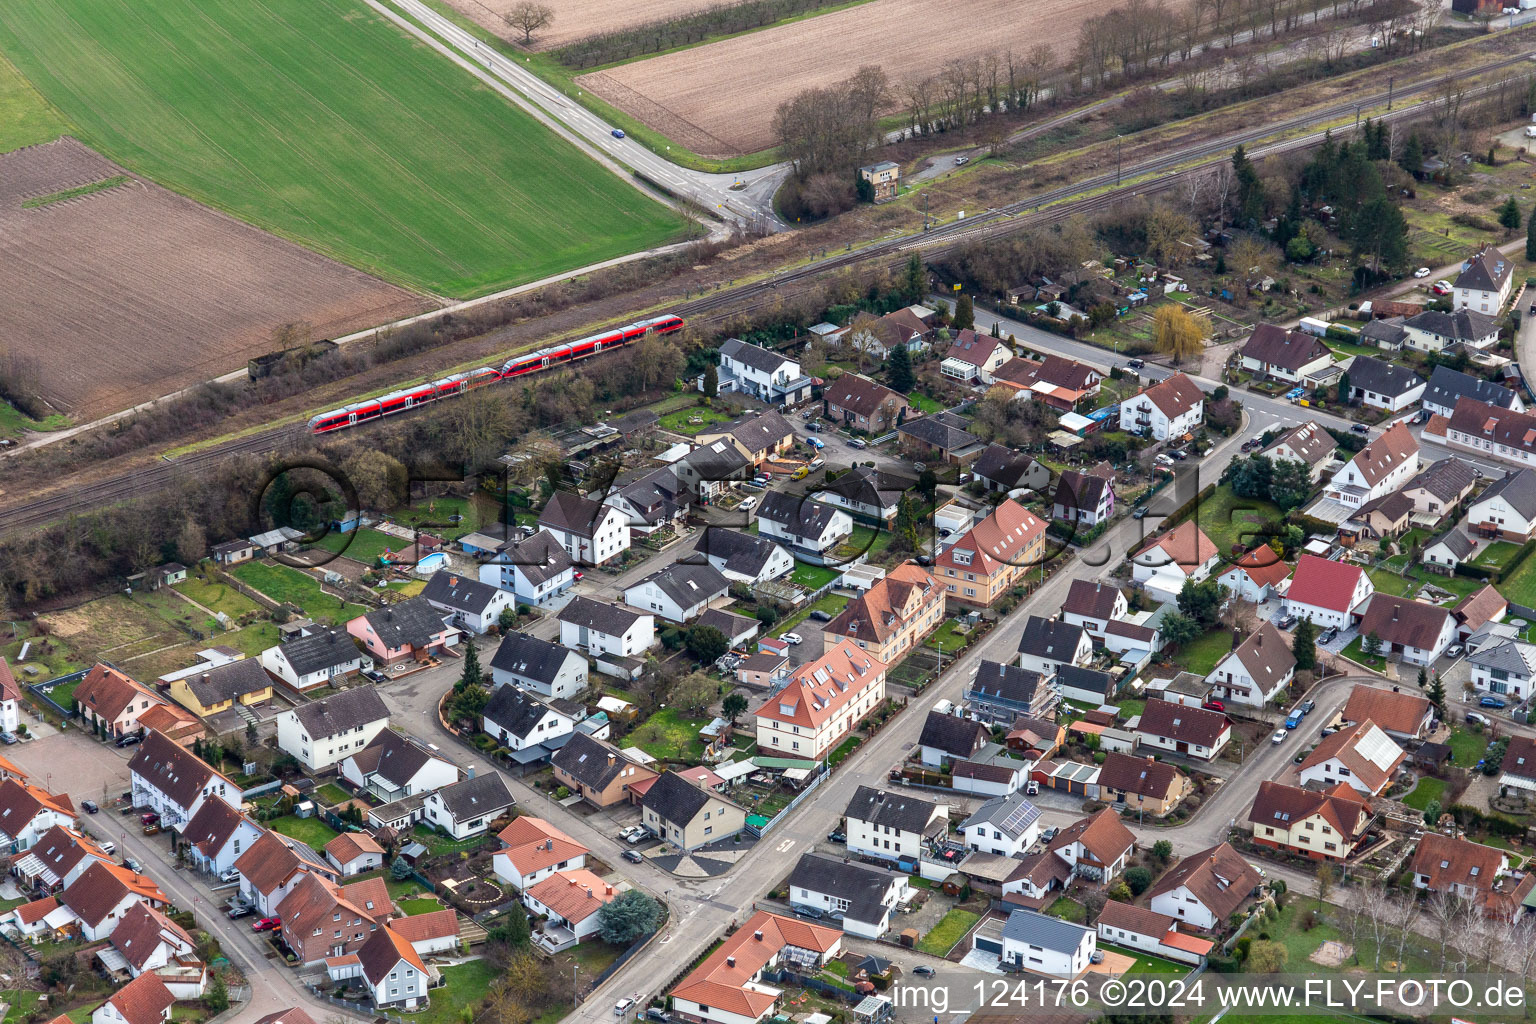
127	294
577	19
728	91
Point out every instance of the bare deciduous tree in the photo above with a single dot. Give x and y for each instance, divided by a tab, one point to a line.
528	16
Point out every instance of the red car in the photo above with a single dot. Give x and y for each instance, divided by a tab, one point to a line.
149	818
267	924
1214	705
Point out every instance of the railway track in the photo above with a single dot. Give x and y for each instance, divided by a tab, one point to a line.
1045	207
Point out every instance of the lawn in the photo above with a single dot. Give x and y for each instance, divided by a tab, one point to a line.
14	422
1428	790
865	540
923	404
1355	651
829	603
1068	910
1146	964
669	736
333	794
311	831
362	545
439	843
323	122
1402	585
677	422
217	597
950	930
1467	747
412	908
1229	520
465	985
20	1004
403	890
1497	553
1201	654
945	638
436	515
1520	588
281	583
813	577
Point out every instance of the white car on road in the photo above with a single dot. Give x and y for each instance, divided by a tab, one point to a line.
1421	272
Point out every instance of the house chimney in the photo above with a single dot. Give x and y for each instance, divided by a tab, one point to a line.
756	935
610	760
549	844
469	772
571	882
589	893
730	961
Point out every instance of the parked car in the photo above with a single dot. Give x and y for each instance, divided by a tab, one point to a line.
230	876
7	737
1360	428
801	473
1327	636
129	740
267	924
817	462
924	970
814	913
235	913
1308	706
1136	364
621	1007
858	442
837	837
817	443
792	638
961	161
1180	454
1140	513
749	503
1454	651
108	847
1096	957
813	426
1049	834
1214	705
1473	718
133	865
1441	288
1490	702
617	133
90	806
1421	272
633	856
1278	737
150	830
375	675
1329	731
1286	622
148	818
821	616
1293	720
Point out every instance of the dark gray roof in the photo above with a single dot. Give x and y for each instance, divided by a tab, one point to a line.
1092	598
1518	489
764	430
1290	350
1448	386
341	711
952	734
1012	814
1487	271
1514	656
863	886
675	799
1462	325
231	681
1089	679
530	657
866	485
589	761
729	623
171	768
572	513
1311	443
1458	543
900	811
1055	639
655	495
1036	929
1382	377
327	649
1447	479
411	623
515	711
393	757
752	355
742	552
605	618
688	583
1389	331
718	460
1079	491
995	681
935	433
802	516
1002	466
540	557
459	592
482	796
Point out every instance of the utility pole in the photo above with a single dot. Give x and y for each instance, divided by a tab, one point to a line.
1391	79
1118	140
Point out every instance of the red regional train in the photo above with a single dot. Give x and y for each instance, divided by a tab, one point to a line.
517	366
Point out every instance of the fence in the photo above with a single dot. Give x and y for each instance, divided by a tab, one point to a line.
361	1009
814	984
635	947
39	688
760	831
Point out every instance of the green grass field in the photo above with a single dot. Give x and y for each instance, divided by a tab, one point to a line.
1228	519
413	908
1202	653
950	930
26	119
322	122
1428	789
669	736
362	545
281	583
312	831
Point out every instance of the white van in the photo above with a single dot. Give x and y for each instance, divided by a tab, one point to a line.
621	1007
108	847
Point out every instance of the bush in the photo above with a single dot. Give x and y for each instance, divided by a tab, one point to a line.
1139	880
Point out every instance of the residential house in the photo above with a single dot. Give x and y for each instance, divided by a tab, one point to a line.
1378	519
467	808
1141	929
242	682
435	932
999	693
763	670
1035	942
653	501
10	698
1002	471
1057	382
1086	686
1485	282
867	494
354	853
1257	672
590	532
1419	633
545	668
1383	385
680	592
1290	356
1047	645
1518	769
939	433
58	857
893	616
711	469
324	732
862	404
144	1000
741	557
1434	331
518	720
723	989
1083	499
1005	825
149	942
173	782
393	766
910	328
946	737
1308	444
822	703
1142	784
1192	732
1384	465
28	812
469	604
1361	755
1505	666
1507	509
597	770
313	659
411	631
972	357
535	571
217	835
93	904
1328	593
893	826
1457	866
1035	738
1169	409
860	897
1442	486
1095	848
995	554
1093	605
1403	716
755	437
600	629
989	772
808	529
1447	387
1183	553
687	815
388	966
1320	824
1204	889
770	377
1491	431
532	849
1386	333
569	902
1257	576
273	866
1483	606
110	702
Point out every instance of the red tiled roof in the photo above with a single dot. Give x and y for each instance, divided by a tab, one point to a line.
575	894
1264	567
821	689
1185	546
996	541
1324	583
438	924
1446	861
1394	711
1346	745
144	1000
1135	919
720	981
1218	877
533	844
